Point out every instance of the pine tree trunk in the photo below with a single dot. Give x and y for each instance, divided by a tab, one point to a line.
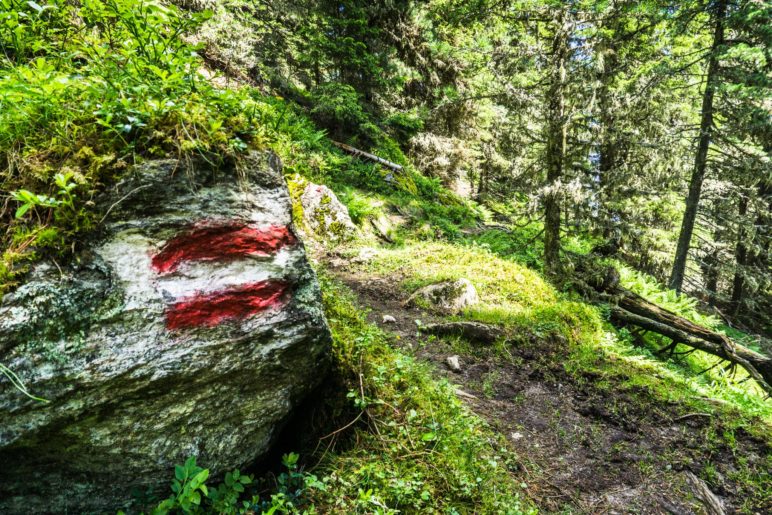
607	158
482	183
741	256
701	159
556	147
710	272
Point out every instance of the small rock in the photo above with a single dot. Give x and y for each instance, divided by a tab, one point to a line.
453	363
365	255
325	215
388	319
516	435
337	263
450	296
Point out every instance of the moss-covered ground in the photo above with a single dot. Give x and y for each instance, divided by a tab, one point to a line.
564	379
407	441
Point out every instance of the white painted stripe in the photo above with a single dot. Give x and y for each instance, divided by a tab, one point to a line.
201	277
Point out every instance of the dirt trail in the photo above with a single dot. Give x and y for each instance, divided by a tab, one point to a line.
582	450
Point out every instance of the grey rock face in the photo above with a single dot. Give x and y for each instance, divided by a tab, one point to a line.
449	296
192	325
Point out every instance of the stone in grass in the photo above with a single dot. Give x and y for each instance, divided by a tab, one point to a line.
365	255
451	296
190	325
326	217
453	363
388	319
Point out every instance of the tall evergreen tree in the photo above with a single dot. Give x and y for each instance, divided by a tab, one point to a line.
718	12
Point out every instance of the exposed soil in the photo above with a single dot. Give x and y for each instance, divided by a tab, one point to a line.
582	448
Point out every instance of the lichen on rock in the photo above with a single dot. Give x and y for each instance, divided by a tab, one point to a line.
325	216
451	296
132	390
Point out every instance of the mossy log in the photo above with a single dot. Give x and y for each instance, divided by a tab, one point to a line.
632	309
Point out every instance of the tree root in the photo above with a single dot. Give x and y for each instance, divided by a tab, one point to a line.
473	331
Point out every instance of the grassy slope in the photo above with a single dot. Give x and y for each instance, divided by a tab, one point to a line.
431	246
417	447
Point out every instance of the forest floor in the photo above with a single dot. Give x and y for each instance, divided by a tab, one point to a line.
580	448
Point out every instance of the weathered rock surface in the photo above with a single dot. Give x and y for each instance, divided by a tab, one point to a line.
325	215
450	296
453	363
192	325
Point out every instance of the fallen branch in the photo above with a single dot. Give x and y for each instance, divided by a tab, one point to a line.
757	365
701	491
691	415
479	228
473	331
361	153
601	283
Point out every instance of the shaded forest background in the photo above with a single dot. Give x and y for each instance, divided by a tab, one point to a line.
526	136
644	125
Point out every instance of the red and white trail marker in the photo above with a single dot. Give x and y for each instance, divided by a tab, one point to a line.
220	272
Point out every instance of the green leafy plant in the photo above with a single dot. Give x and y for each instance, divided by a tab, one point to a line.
192	496
295	484
29	200
63	204
225	498
189	487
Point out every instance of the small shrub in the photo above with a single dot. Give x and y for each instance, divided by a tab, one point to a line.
337	107
192	496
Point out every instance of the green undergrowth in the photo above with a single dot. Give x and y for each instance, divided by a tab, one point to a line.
645	286
418	450
88	89
519	299
524	244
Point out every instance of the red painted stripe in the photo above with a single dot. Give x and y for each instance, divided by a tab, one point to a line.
233	304
221	243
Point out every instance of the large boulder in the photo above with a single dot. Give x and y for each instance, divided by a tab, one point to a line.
190	326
